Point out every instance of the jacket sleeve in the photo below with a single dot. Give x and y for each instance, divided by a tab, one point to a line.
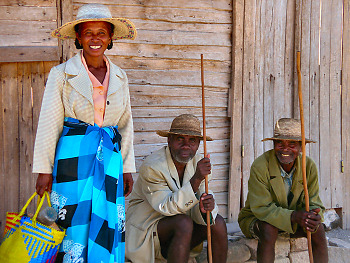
161	198
50	123
126	129
196	213
262	204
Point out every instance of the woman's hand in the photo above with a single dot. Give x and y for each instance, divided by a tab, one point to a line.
43	183
128	183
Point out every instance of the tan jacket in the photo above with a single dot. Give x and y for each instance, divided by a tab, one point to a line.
157	193
68	93
267	199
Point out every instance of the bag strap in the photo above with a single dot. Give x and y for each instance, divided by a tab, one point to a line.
40	204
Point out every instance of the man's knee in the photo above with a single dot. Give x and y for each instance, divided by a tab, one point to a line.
266	232
183	223
220	225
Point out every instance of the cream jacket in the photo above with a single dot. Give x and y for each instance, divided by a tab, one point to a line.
157	193
68	93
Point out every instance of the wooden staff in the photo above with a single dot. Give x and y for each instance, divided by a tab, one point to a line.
306	192
205	155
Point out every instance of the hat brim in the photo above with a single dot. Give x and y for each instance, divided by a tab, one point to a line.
123	28
166	134
287	139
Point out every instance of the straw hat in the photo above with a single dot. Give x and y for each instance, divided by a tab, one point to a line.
123	28
185	124
287	129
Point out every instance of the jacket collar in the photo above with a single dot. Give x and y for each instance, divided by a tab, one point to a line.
79	79
277	183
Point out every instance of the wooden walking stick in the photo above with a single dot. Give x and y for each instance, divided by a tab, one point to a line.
307	205
205	154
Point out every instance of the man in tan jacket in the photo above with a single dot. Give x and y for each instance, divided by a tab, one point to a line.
167	208
276	201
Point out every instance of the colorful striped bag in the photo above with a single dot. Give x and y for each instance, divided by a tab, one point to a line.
26	240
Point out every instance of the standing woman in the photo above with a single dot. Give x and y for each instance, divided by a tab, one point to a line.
84	143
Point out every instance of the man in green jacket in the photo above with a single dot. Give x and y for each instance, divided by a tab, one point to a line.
275	201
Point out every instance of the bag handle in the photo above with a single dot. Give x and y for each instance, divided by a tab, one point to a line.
40	204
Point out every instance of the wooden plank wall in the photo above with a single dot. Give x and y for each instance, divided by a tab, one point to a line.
267	35
25	30
346	114
163	67
21	91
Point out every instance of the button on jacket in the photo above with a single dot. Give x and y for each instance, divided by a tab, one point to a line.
68	93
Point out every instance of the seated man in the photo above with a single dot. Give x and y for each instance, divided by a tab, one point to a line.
275	201
166	217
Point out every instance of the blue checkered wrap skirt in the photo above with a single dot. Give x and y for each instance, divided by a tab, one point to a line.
88	193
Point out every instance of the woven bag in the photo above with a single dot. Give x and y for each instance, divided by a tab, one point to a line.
26	240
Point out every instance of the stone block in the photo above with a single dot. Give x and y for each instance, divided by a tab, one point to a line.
282	247
237	253
298	244
338	254
299	257
338	242
331	219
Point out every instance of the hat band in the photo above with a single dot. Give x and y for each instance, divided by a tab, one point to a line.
181	131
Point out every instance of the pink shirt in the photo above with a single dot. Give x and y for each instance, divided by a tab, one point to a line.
99	94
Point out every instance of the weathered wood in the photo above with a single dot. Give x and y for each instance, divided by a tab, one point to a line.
24	13
325	142
289	59
279	45
176	77
43	3
335	102
248	94
155	50
10	137
269	78
26	53
234	190
66	15
314	83
200	4
2	154
26	134
258	77
125	62
346	115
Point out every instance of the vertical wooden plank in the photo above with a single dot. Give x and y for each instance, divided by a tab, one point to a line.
305	64
346	114
248	91
234	189
258	145
279	44
288	59
66	14
26	133
10	136
314	78
269	78
325	143
2	154
297	47
335	103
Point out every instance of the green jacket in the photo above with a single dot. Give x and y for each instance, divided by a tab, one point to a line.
267	199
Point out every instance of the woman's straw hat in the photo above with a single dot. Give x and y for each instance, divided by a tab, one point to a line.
123	28
185	124
287	129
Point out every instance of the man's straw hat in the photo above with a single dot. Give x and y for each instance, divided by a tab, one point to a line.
185	124
123	28
287	129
